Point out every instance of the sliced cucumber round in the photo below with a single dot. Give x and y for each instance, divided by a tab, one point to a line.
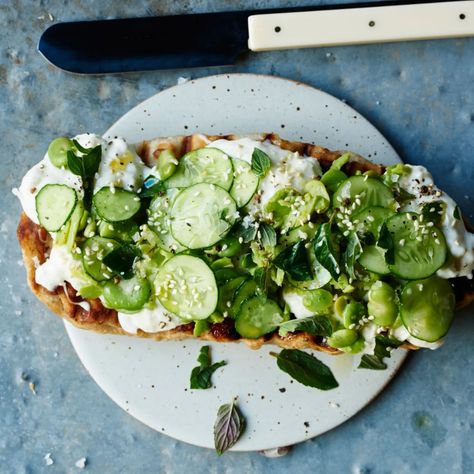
370	220
115	205
54	205
359	192
94	249
373	259
159	220
186	286
427	308
206	165
257	318
127	295
419	250
201	215
245	183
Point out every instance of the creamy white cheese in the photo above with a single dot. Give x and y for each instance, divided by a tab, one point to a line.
369	331
121	167
288	169
59	268
460	242
295	302
401	333
149	320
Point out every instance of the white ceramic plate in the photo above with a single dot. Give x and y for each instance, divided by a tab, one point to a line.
150	380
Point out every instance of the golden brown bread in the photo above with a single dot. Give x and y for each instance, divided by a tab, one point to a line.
35	244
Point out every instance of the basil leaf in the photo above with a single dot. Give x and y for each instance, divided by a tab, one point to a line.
352	253
314	325
152	186
260	162
433	211
268	235
120	260
87	165
306	369
294	260
201	375
324	250
228	427
372	362
385	241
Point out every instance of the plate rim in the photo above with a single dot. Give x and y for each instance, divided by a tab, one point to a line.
69	327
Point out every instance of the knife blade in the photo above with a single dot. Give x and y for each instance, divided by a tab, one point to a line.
217	39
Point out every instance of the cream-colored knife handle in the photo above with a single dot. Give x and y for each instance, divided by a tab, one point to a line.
361	25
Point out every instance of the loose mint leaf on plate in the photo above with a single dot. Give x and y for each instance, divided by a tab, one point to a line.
260	162
306	369
201	375
228	427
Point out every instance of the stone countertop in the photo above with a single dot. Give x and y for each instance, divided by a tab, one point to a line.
420	97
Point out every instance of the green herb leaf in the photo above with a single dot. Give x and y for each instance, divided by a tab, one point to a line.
401	195
260	162
324	250
87	165
201	375
294	260
228	427
261	278
80	148
457	213
152	186
433	211
385	241
314	325
352	253
306	369
372	362
248	233
268	235
120	260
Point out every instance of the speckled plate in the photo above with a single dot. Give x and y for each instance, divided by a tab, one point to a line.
149	379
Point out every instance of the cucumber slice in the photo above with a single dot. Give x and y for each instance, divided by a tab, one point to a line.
127	295
116	205
373	259
245	183
245	291
359	192
159	220
257	318
94	250
57	151
427	308
186	286
54	205
419	250
206	165
201	215
370	220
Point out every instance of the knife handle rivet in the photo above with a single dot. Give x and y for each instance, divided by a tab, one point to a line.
371	23
277	29
462	16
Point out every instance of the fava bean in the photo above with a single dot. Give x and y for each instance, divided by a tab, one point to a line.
166	164
382	305
343	338
318	301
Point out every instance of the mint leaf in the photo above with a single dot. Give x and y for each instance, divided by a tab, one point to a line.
324	250
228	427
260	162
314	325
372	362
152	186
306	369
87	165
268	235
352	253
120	260
385	241
201	375
294	260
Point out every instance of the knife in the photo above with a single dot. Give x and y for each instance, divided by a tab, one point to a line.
216	39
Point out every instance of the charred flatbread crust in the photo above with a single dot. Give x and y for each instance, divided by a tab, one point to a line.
35	245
